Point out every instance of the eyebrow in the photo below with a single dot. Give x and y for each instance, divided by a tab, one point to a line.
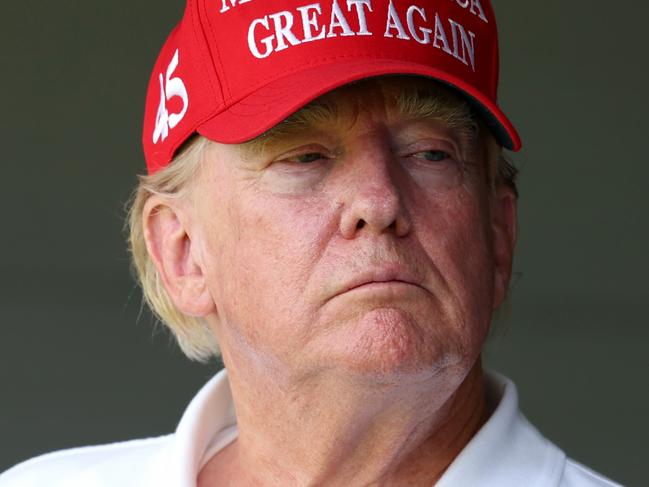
440	105
432	102
317	113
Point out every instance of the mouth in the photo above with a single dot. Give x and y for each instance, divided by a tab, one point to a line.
379	284
386	278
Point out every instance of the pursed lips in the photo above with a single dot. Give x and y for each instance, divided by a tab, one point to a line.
388	274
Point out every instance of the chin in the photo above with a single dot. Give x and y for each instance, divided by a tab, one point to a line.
386	344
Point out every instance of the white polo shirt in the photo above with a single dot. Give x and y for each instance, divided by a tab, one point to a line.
506	452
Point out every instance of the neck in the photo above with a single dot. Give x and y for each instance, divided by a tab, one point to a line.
334	432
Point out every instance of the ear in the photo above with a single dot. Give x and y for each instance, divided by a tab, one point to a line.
504	231
175	257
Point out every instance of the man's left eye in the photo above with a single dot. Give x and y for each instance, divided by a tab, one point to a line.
309	157
433	155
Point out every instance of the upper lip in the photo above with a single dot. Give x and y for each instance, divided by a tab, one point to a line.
386	273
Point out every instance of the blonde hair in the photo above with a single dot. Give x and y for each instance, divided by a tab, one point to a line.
193	335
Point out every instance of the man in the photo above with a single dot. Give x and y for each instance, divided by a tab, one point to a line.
327	205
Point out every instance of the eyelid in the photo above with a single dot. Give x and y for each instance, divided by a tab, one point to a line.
303	150
432	144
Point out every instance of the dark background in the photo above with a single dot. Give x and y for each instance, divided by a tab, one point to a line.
81	363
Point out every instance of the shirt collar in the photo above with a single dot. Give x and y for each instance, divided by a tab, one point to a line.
208	416
506	451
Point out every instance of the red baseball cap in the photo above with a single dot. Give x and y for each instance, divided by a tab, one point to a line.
232	69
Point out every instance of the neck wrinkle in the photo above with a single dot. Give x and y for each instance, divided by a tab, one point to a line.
326	445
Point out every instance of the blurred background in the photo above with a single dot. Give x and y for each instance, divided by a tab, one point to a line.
81	362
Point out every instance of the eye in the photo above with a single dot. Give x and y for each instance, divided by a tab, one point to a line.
309	157
433	155
313	154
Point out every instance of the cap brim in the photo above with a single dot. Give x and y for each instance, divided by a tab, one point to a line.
275	101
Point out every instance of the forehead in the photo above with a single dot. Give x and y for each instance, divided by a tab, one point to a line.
395	97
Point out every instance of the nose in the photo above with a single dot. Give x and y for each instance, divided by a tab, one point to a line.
372	196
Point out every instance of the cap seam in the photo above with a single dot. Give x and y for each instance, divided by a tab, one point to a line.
207	62
214	51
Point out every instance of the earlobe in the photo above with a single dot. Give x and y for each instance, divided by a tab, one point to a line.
171	251
504	230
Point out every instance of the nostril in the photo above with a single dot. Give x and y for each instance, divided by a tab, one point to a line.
360	224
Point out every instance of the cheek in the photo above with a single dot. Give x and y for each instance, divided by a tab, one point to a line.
456	238
264	248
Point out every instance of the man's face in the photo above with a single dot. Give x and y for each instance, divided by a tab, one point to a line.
358	239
